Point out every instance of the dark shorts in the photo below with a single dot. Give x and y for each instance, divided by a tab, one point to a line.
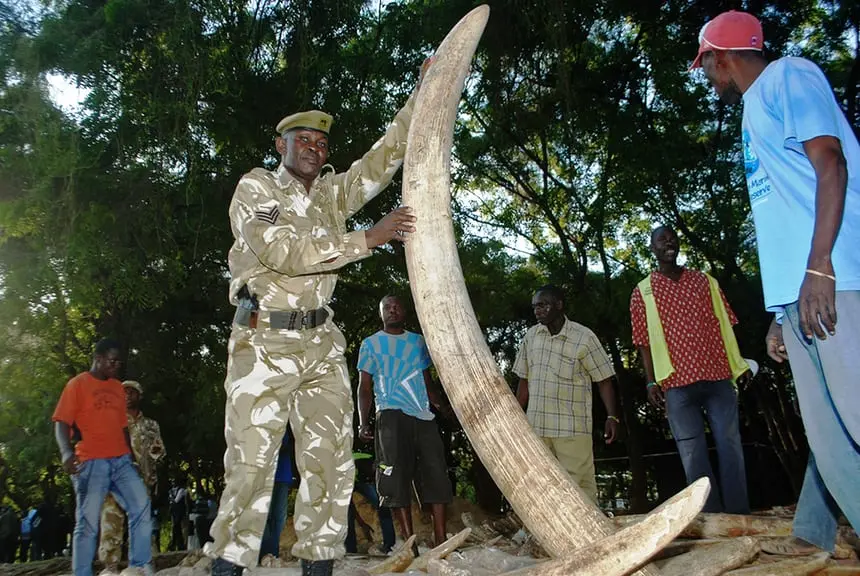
410	449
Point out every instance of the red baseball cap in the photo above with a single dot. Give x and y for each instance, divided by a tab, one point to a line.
732	30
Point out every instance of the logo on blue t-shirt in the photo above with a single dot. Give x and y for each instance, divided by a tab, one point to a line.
758	182
750	159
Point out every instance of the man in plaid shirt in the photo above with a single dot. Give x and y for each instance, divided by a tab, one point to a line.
558	361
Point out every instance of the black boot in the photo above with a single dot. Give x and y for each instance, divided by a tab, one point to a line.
317	567
221	567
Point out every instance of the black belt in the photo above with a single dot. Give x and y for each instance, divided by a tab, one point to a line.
281	319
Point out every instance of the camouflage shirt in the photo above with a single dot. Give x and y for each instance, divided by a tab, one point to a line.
289	242
147	445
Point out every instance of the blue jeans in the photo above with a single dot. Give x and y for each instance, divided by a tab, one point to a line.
386	524
92	483
719	400
270	543
827	379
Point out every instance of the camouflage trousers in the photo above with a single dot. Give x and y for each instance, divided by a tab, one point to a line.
112	530
276	377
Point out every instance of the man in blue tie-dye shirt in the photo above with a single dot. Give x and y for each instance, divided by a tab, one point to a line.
395	369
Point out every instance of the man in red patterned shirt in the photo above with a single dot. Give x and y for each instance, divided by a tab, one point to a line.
682	326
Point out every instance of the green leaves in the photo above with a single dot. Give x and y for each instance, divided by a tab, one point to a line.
580	130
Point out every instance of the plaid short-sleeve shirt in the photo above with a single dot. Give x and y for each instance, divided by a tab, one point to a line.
560	370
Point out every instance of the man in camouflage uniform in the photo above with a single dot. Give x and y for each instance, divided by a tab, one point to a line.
148	448
286	361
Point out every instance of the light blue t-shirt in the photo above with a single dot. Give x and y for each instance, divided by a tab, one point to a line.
789	103
397	363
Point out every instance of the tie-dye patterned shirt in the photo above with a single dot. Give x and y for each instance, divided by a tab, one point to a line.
397	363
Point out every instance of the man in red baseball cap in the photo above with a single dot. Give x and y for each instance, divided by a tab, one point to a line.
730	30
730	52
802	164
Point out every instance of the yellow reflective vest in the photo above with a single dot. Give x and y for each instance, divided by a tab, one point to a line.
657	339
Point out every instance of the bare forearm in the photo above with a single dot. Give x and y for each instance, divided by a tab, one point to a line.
607	394
829	208
62	434
365	400
831	175
127	435
433	394
647	364
434	397
523	393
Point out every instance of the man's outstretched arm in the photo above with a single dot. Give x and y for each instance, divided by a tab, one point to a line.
63	435
290	244
373	172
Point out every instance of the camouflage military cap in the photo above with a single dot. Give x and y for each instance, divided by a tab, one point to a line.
312	119
133	384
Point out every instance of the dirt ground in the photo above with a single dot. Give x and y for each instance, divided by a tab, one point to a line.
421	524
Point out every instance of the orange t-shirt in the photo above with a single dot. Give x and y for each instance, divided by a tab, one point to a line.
97	409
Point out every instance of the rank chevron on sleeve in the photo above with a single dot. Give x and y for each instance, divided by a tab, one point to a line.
269	215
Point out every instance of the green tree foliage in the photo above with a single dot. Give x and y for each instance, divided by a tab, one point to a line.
580	129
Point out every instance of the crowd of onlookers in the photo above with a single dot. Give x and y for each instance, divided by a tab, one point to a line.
37	533
43	532
190	517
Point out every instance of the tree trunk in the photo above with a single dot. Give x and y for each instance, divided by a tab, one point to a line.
638	490
639	484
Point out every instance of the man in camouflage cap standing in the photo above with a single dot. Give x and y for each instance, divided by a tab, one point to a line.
148	449
286	361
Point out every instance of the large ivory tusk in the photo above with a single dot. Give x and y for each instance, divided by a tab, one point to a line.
622	552
555	510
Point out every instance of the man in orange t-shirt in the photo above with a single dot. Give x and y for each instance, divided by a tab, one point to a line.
92	409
